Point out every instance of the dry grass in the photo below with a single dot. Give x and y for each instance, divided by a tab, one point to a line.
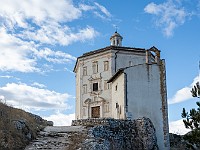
12	138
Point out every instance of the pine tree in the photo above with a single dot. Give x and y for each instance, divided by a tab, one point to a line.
192	120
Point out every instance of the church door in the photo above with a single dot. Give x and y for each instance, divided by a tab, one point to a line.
96	112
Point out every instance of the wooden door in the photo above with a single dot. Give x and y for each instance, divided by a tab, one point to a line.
96	112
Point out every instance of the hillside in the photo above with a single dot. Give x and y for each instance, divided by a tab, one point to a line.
18	128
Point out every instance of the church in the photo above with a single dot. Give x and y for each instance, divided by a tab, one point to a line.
123	83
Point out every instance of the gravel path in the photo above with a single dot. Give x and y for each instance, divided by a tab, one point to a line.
55	138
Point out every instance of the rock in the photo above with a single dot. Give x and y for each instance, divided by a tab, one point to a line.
99	134
19	124
49	123
22	126
121	134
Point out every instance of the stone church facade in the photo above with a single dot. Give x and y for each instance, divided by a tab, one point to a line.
123	83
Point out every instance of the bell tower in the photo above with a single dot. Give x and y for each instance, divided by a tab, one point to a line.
116	39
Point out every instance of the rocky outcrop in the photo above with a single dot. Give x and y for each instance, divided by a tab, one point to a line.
99	134
112	134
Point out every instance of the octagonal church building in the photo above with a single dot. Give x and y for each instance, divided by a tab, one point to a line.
123	83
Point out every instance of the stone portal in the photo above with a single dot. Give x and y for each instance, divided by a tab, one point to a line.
96	112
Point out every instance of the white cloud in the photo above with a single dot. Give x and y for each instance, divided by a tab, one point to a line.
169	15
55	56
6	76
178	127
27	35
15	54
32	98
60	119
58	34
85	7
2	98
69	70
152	9
103	9
23	56
184	93
46	22
39	11
9	77
97	9
36	84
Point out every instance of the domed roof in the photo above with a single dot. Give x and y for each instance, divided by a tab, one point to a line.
116	34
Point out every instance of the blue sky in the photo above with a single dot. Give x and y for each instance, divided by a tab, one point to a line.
41	39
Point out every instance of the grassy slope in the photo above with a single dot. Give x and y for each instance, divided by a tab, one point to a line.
13	136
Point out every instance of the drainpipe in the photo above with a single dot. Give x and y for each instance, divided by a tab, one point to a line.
125	96
115	60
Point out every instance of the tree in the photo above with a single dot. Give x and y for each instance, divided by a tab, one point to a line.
192	120
196	90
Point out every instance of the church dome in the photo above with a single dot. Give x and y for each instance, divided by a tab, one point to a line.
116	39
116	34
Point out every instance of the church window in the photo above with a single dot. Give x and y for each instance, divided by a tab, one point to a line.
84	113
84	88
106	108
95	98
95	86
120	110
106	85
115	87
85	71
106	65
95	67
117	105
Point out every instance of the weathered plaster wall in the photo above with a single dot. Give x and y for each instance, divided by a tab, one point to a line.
127	59
78	96
102	97
144	96
118	98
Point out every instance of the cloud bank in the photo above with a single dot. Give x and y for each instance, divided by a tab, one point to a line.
60	119
33	98
184	93
29	30
178	127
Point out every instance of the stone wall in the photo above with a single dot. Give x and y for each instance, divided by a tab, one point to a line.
92	121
